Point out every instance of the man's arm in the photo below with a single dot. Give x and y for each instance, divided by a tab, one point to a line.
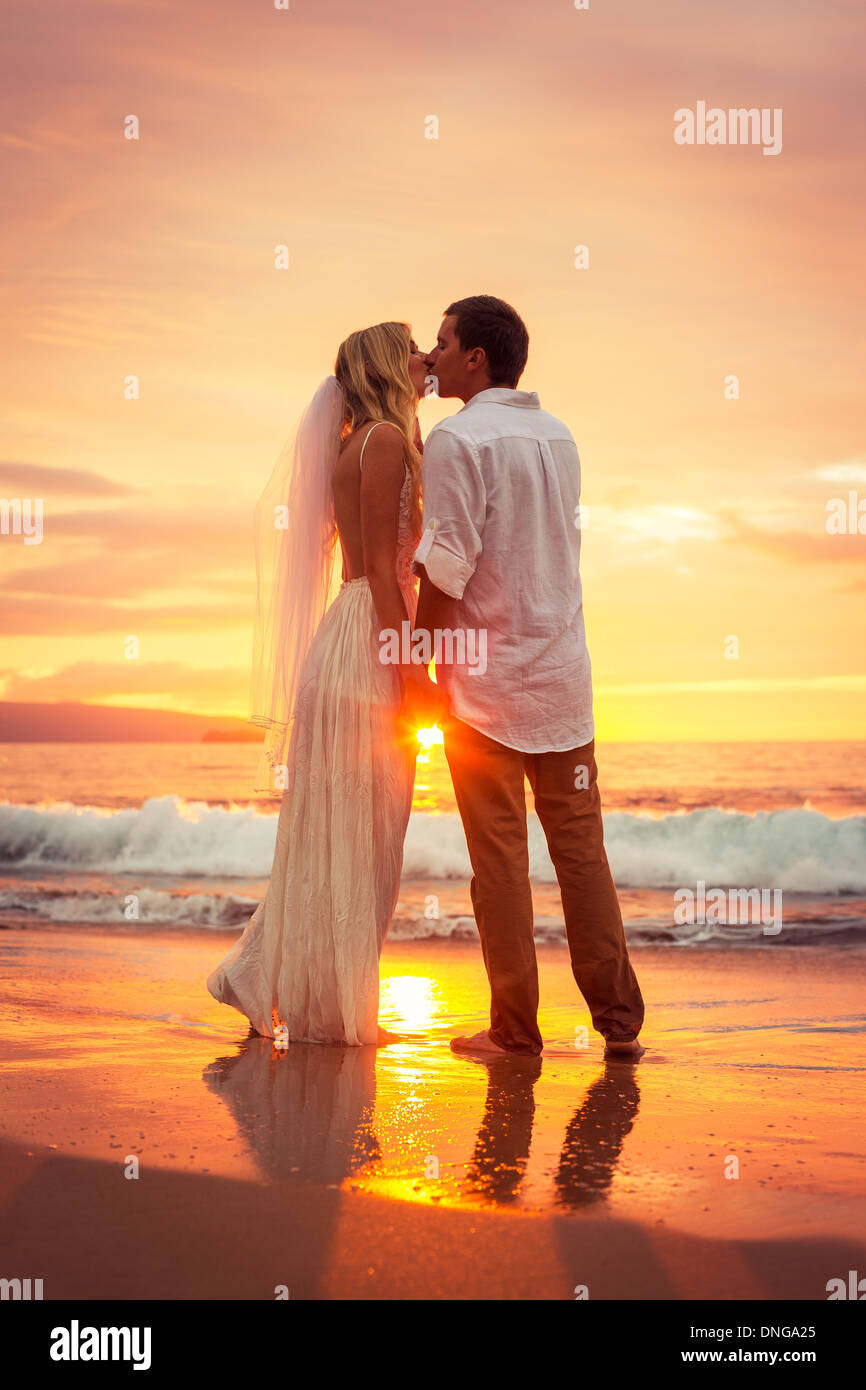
455	505
454	510
435	608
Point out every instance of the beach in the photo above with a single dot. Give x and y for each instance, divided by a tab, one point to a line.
727	1163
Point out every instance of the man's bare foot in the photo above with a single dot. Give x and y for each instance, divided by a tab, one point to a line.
483	1043
626	1051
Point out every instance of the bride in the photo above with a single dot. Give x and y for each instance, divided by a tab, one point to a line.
340	742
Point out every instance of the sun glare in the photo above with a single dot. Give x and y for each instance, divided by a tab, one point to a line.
429	737
407	1002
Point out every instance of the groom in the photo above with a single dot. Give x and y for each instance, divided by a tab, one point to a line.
499	556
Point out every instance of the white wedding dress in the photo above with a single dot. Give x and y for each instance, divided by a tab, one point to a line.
309	956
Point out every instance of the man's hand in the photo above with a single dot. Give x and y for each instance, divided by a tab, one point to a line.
424	702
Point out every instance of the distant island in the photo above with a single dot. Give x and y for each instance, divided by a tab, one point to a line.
70	721
244	734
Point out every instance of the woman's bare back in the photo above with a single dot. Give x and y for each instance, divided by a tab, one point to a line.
347	499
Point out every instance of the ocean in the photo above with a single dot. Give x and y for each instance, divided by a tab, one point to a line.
170	835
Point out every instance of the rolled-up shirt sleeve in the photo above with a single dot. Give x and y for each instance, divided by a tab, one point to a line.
454	505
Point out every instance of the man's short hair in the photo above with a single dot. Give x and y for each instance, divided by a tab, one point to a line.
489	323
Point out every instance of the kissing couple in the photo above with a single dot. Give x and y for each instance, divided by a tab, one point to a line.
497	550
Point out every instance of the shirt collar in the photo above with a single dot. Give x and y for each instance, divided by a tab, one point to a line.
503	395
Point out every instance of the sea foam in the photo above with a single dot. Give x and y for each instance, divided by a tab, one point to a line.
794	850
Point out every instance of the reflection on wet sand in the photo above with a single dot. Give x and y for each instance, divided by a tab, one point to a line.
304	1111
306	1114
593	1139
498	1163
595	1136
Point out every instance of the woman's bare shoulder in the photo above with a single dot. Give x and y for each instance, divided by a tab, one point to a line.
383	439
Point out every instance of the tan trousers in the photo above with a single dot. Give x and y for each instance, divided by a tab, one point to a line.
489	786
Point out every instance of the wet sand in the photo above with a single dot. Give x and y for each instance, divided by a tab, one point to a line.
407	1172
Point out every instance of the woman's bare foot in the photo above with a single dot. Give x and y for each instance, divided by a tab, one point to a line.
384	1037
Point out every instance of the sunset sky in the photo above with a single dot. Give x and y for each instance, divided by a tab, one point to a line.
306	127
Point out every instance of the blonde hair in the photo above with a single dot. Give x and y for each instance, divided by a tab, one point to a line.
372	368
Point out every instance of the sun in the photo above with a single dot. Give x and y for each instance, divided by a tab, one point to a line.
428	738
